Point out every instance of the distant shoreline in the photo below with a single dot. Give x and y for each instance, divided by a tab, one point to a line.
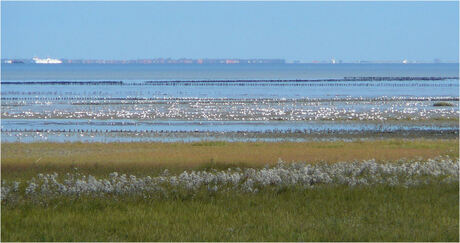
218	61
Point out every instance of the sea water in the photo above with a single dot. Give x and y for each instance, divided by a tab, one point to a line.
285	96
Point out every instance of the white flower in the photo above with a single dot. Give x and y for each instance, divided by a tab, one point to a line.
365	173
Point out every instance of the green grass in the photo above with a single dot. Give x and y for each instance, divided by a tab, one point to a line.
423	213
326	213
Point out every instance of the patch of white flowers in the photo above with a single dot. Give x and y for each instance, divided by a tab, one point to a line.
282	175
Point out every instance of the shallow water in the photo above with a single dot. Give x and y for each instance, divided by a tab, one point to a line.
263	98
201	126
226	72
244	90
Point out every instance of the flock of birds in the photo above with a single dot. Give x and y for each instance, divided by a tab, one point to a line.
121	101
244	110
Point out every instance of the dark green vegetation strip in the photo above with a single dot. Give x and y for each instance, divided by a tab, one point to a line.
443	104
424	213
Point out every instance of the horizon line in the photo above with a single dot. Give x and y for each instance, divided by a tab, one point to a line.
207	60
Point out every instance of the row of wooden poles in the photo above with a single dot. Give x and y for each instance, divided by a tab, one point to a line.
287	131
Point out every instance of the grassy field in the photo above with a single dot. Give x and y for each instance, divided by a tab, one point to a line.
424	213
26	160
324	213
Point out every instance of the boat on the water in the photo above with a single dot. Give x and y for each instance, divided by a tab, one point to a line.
46	61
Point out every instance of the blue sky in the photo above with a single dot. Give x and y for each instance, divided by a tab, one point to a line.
294	31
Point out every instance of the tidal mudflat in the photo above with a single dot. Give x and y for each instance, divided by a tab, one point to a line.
243	110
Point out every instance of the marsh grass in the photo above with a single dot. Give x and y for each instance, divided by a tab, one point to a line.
380	213
324	213
27	160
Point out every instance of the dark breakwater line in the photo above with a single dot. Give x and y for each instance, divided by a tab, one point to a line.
231	82
304	84
62	83
250	100
353	79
